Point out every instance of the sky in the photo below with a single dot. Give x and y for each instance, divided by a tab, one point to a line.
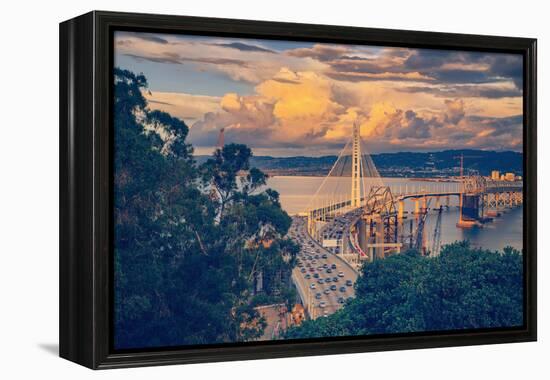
286	98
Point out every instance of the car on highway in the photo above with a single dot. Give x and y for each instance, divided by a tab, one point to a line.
312	269
325	265
333	266
325	256
318	296
326	291
343	289
333	287
312	286
341	300
329	270
328	279
316	275
340	274
307	276
335	279
322	304
349	283
320	281
303	270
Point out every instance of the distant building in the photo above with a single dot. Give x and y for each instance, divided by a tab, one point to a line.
510	177
495	175
502	177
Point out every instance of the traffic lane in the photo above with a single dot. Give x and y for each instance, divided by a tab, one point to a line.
308	247
331	259
331	299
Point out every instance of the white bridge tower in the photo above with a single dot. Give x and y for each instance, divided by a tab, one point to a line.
356	169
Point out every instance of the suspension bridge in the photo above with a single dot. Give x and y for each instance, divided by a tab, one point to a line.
372	217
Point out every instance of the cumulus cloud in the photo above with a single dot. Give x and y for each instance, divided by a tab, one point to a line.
303	110
304	98
292	109
454	112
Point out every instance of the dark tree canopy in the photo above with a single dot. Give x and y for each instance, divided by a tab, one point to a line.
186	261
463	288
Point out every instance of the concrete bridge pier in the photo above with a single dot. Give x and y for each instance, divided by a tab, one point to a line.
470	211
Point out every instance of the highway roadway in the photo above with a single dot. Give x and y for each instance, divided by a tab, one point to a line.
338	229
315	265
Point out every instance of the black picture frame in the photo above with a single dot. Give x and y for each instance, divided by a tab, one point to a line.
86	61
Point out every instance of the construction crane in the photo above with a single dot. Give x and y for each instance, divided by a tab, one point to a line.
462	157
436	244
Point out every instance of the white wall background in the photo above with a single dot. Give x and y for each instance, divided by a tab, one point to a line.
29	187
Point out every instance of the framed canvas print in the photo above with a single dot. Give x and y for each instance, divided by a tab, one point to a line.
237	189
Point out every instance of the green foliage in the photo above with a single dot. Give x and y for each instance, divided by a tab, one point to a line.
186	263
463	288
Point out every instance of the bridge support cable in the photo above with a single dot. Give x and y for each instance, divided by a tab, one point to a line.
349	180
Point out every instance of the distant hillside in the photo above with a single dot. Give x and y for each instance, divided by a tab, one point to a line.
402	164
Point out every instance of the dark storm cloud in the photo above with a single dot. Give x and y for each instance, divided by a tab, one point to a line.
284	80
472	91
156	59
424	59
144	37
245	47
216	61
177	59
460	76
434	66
510	66
500	125
364	65
418	128
323	53
498	66
409	125
462	136
364	77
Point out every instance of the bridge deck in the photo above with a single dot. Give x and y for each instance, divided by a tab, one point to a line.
309	247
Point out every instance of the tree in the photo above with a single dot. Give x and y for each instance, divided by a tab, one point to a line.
463	288
185	265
